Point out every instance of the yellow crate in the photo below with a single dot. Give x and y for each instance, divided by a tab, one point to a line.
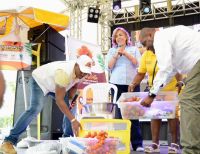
115	127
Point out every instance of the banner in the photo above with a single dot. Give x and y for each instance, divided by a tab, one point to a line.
15	55
77	48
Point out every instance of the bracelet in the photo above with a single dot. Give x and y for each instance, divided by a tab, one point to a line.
73	120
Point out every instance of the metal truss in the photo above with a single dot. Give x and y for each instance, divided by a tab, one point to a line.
104	21
78	13
74	9
160	10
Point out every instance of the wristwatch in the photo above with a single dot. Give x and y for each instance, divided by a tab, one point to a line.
151	95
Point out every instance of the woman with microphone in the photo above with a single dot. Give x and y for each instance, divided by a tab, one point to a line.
123	60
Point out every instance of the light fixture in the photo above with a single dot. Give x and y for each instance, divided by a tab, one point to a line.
117	5
93	14
145	6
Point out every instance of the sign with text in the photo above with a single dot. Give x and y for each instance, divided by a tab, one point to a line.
77	48
15	55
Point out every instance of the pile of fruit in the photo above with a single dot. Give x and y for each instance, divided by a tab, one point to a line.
101	143
132	111
132	99
131	108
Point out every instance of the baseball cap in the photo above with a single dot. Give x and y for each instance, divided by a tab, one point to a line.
83	61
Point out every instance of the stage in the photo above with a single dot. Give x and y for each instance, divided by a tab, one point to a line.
163	149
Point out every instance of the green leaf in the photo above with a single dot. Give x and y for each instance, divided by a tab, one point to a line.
101	61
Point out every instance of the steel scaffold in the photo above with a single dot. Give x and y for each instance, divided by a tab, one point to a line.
160	10
163	9
78	13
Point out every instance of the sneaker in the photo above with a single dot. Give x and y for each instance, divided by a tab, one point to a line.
140	149
7	148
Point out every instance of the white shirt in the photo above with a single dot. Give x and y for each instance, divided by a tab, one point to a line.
59	72
177	50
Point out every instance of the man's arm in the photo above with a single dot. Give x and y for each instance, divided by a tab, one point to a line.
163	48
60	94
164	54
2	88
180	83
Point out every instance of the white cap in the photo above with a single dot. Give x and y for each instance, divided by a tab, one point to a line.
83	61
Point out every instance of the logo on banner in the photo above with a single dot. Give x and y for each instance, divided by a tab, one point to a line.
15	55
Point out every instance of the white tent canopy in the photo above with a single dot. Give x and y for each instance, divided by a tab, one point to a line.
50	5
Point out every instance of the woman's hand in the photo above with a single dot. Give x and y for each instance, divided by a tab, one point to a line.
131	87
121	51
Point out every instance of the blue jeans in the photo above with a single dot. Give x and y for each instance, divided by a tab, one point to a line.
36	106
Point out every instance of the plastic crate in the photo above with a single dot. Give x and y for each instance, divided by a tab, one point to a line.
78	145
163	106
116	128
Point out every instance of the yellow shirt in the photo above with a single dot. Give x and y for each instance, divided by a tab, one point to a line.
61	78
147	64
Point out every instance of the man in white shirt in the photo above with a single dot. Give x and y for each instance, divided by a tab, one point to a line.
53	78
178	50
2	88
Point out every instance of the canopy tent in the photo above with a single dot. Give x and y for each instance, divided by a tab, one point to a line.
30	17
16	19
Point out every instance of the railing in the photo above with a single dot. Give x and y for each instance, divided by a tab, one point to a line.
159	10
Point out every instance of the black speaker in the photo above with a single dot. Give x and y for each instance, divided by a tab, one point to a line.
51	116
49	53
53	43
56	122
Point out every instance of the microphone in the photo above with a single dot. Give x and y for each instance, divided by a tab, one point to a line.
21	56
119	46
73	102
21	61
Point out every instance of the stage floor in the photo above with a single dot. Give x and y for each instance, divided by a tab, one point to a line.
163	149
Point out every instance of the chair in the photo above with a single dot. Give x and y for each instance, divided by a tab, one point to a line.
102	106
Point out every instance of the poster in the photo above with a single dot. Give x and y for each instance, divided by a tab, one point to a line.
15	55
76	48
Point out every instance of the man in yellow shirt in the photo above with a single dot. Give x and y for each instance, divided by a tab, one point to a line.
53	78
148	64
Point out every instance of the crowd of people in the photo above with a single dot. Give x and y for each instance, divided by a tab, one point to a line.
169	54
